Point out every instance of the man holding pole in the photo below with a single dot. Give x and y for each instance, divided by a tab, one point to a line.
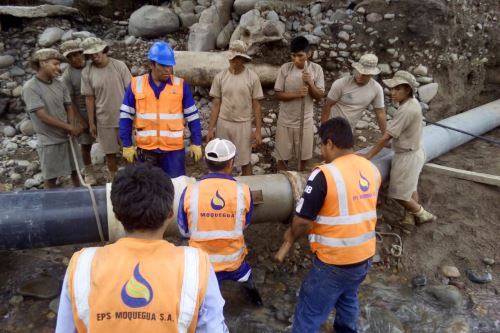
298	83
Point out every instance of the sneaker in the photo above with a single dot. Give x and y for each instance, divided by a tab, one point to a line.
407	224
424	216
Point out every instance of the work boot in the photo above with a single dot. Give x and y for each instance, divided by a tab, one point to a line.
89	176
424	216
251	291
407	224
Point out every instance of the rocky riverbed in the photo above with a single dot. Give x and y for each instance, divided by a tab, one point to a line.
451	46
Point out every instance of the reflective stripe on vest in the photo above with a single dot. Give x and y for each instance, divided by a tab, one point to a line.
159	121
238	227
189	294
166	134
344	218
139	84
163	116
377	175
342	242
226	258
81	284
190	285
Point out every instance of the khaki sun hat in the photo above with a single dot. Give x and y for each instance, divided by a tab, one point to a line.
402	77
70	46
238	48
46	54
91	45
367	64
220	150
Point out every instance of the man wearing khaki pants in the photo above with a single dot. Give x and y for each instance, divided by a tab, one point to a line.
104	81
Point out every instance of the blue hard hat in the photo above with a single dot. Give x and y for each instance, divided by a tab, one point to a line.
162	53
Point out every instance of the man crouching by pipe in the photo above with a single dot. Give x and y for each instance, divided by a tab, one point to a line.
338	211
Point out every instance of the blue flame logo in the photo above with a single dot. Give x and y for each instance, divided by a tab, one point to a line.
137	292
364	184
217	202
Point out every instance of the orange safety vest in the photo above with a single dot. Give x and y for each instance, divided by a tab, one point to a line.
158	123
344	230
216	211
137	286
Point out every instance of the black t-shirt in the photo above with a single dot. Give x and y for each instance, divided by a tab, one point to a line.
313	196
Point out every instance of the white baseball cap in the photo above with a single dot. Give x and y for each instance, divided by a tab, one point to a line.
220	150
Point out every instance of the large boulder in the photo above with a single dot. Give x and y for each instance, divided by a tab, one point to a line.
186	12
225	35
428	92
68	3
94	3
253	30
152	21
37	11
243	6
50	36
188	19
203	35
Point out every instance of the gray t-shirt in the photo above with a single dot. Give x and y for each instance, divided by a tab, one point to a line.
406	127
290	79
72	78
107	84
352	99
236	93
53	97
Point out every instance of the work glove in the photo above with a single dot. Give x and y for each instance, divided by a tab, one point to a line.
129	153
195	152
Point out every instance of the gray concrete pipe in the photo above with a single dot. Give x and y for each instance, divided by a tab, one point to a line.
56	217
200	68
438	141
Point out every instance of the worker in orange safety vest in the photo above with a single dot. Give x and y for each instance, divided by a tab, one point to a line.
153	113
141	283
213	213
338	211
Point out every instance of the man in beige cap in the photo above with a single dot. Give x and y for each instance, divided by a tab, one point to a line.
351	95
236	93
48	104
405	131
72	78
104	81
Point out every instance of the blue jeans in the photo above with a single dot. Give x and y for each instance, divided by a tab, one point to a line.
172	162
326	287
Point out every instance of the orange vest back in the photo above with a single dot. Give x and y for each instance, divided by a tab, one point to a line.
216	210
158	123
344	230
137	286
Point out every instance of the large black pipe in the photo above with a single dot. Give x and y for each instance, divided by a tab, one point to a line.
31	219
